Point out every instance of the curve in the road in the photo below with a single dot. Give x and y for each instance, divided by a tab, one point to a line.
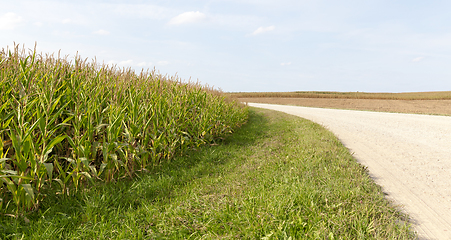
408	155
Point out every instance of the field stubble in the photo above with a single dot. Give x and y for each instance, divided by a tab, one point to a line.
436	107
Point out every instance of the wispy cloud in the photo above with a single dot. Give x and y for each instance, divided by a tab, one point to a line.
261	30
163	63
187	17
417	59
101	32
126	63
141	10
285	64
235	21
144	64
76	20
10	21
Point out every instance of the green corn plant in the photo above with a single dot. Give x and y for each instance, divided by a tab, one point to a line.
63	177
73	122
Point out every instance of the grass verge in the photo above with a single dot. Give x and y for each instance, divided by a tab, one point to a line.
278	177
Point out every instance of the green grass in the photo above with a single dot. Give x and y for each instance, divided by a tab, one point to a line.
277	177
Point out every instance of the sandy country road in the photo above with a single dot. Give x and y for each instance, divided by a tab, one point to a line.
408	155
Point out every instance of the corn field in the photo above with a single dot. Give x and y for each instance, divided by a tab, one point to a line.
64	124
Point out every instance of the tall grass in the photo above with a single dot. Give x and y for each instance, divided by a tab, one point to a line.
65	123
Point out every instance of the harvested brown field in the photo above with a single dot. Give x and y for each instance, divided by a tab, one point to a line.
439	107
438	95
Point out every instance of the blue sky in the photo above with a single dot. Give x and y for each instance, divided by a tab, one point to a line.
250	45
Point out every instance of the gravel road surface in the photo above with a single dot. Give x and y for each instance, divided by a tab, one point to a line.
408	155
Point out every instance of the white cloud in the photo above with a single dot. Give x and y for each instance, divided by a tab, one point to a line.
417	59
144	64
126	63
10	21
163	63
235	22
141	10
65	34
101	32
187	17
38	24
261	30
285	64
75	19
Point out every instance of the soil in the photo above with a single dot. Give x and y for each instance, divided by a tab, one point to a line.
435	107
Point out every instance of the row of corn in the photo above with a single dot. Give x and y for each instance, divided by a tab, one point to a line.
66	123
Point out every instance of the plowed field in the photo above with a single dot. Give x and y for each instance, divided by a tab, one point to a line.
436	107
